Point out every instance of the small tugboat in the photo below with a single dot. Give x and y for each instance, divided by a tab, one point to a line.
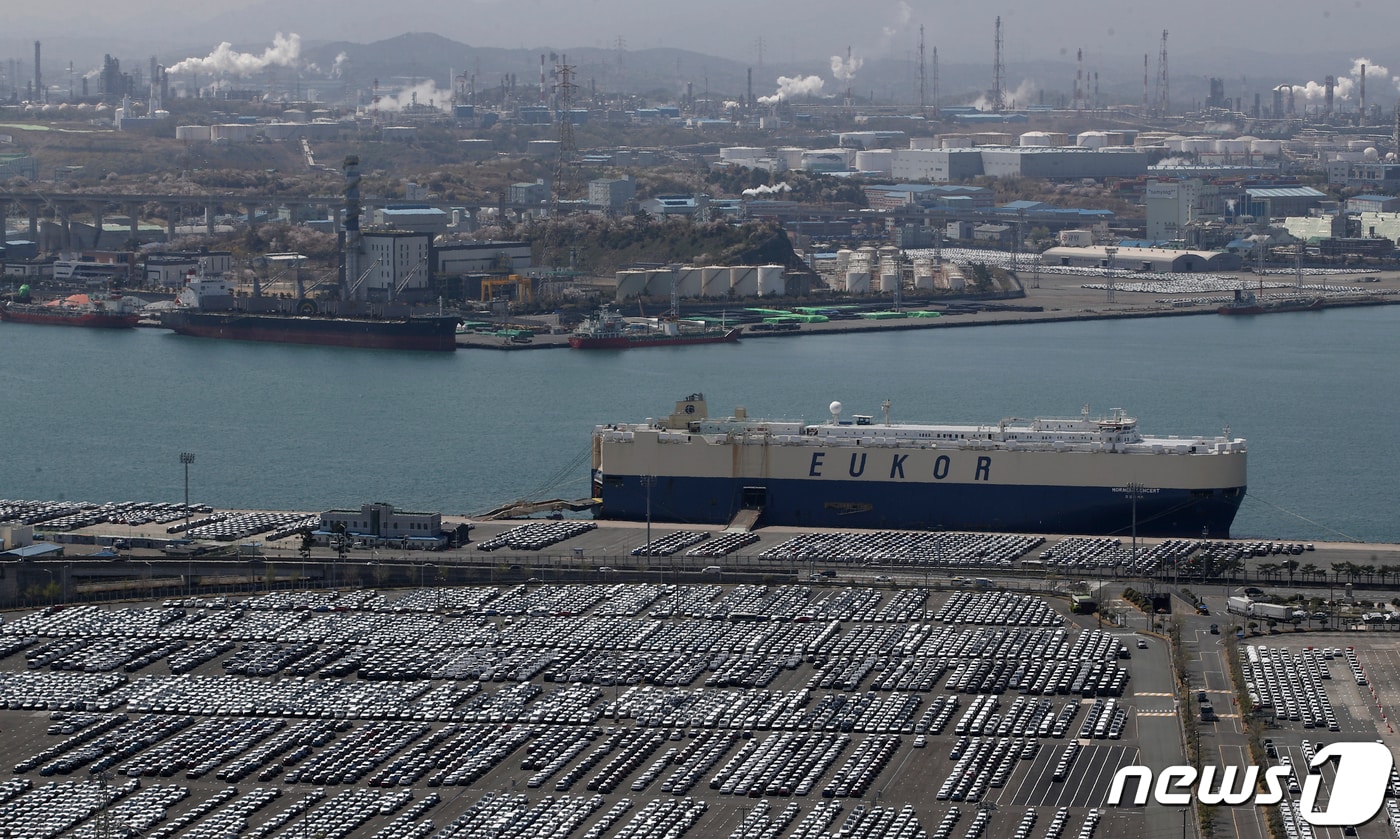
608	330
107	311
1247	302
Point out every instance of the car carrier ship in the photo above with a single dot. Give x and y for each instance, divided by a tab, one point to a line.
1083	475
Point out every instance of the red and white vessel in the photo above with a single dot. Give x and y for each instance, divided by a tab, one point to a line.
109	311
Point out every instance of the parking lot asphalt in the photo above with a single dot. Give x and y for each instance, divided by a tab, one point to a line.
752	710
857	643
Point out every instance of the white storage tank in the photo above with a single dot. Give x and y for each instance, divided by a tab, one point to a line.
857	282
843	260
1091	139
732	153
1033	138
1268	148
791	156
923	276
889	281
631	284
991	138
714	281
771	281
743	280
875	160
231	132
688	280
192	133
1197	145
1232	146
955	141
659	282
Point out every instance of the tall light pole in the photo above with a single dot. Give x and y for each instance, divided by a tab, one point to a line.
647	482
1134	492
187	458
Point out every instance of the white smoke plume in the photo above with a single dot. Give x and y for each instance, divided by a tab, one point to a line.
765	189
284	52
790	87
424	93
1018	98
338	68
845	69
903	14
1348	83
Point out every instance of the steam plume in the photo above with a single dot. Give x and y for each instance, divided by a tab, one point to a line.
284	52
845	69
793	86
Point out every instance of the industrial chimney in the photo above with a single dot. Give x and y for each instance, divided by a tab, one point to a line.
1361	107
1331	84
351	253
38	79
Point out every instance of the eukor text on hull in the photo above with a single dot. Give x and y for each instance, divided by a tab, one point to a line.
1074	475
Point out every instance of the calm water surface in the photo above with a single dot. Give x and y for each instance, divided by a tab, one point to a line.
95	415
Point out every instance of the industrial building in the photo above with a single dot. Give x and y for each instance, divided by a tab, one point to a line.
379	523
418	218
1281	201
482	258
1146	260
398	266
611	194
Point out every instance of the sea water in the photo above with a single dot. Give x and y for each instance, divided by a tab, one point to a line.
99	415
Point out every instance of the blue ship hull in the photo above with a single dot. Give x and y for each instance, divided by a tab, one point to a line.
865	504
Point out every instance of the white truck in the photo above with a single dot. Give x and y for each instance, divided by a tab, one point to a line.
1239	605
1271	611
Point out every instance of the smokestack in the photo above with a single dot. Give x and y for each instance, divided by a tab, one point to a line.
1362	106
351	254
1331	83
1079	82
749	101
542	87
38	79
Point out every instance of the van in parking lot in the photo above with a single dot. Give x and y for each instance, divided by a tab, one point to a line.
711	569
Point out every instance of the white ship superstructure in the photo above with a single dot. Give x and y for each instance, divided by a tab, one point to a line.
1054	475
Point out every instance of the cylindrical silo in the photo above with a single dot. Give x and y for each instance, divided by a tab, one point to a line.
714	281
843	260
659	282
192	133
889	281
743	280
923	275
631	284
771	282
688	280
1091	139
857	282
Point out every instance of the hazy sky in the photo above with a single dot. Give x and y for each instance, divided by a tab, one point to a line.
812	29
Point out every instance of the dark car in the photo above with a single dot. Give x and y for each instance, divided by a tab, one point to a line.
1253	592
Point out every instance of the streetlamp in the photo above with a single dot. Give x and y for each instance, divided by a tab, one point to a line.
1134	493
187	458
